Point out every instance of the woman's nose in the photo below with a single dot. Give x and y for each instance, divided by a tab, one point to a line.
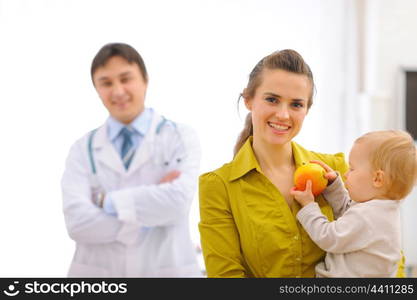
282	112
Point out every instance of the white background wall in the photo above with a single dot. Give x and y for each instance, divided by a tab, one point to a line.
392	46
198	54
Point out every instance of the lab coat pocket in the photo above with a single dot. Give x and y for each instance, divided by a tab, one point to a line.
83	270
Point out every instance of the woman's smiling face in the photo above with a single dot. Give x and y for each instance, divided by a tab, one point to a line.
279	106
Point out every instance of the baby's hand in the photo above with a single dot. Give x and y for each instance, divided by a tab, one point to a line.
303	197
331	174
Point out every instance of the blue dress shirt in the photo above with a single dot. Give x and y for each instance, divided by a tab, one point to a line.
140	126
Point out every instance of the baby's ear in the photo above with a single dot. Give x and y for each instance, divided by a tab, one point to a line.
379	179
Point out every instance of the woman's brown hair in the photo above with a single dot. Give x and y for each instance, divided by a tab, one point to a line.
287	60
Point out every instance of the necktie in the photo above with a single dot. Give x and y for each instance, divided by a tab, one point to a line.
127	146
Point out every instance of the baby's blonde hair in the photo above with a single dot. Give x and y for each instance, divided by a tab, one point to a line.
393	152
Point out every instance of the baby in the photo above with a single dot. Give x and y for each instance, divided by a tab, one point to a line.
365	238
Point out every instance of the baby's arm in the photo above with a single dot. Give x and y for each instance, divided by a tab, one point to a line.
338	197
335	193
349	233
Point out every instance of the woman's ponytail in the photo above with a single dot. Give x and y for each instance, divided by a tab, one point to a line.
244	134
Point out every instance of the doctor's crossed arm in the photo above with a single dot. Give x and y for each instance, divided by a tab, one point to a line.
85	221
168	201
137	171
108	204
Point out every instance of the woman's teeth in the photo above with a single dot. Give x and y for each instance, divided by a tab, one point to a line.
278	127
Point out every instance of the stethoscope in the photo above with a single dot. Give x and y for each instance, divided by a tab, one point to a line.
97	190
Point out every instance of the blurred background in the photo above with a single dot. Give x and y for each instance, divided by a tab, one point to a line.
199	54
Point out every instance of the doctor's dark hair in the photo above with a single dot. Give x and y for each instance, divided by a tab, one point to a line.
118	49
287	60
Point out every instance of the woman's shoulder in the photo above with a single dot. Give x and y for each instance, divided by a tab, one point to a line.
215	182
219	174
338	157
336	161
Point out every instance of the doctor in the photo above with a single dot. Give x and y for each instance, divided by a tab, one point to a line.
128	185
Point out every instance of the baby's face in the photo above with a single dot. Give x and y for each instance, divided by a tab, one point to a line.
359	178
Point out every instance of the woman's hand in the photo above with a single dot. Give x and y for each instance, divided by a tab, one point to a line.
330	175
303	197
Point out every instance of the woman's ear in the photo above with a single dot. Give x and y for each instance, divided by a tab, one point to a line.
379	179
248	102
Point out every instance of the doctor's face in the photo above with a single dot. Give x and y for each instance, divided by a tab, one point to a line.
122	88
279	106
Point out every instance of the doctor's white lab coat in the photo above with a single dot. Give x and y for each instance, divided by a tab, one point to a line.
149	237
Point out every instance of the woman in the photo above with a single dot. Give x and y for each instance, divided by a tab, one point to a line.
248	226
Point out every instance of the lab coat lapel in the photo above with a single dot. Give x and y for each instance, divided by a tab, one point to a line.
105	153
145	149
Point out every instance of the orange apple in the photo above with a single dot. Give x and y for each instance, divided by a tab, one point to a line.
313	172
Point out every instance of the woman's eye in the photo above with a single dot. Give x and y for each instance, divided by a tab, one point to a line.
298	104
271	99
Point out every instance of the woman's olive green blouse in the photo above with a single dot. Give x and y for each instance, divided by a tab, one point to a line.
247	228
